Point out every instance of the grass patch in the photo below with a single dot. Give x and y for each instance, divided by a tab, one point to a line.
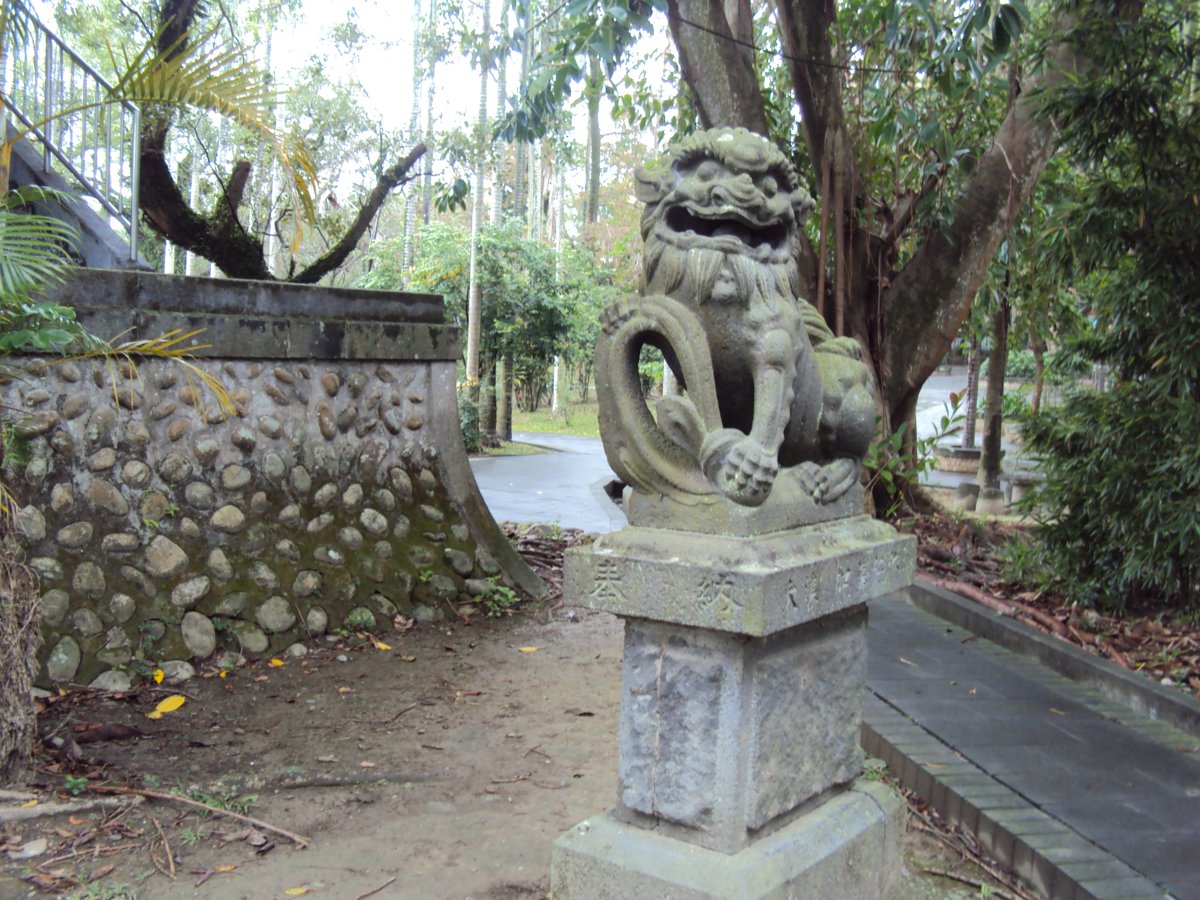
580	419
509	448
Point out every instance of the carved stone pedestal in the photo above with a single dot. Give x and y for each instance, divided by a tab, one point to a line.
742	690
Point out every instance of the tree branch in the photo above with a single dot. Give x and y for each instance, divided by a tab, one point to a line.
928	300
388	181
717	66
805	28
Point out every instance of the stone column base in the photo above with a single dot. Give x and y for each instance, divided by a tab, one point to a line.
846	848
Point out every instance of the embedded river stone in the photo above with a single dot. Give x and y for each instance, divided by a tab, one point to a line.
75	535
188	593
165	558
198	634
228	519
275	615
55	604
107	497
63	662
32	524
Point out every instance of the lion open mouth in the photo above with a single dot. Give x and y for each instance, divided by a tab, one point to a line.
731	225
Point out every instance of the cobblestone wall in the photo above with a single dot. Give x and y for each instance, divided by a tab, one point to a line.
168	530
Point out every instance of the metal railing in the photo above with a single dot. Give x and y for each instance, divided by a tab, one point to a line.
97	147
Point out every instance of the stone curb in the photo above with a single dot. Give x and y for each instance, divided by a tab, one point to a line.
1056	861
1137	692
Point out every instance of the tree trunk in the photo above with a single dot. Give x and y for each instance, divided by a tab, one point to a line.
427	175
972	401
20	637
1039	375
716	66
414	129
487	402
993	415
504	399
474	295
595	84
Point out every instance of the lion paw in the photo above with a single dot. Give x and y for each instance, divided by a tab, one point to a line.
825	483
747	473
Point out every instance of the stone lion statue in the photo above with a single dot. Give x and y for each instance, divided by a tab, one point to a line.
765	385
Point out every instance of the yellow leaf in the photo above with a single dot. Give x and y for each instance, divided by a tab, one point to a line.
29	804
224	868
408	659
158	676
529	649
168	704
277	663
223	673
379	645
296	892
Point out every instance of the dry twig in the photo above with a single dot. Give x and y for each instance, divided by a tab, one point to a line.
298	840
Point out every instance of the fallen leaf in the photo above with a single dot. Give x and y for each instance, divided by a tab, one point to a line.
529	649
1059	712
277	663
262	678
29	804
379	645
296	891
327	758
158	676
403	623
166	705
366	764
99	872
408	659
345	690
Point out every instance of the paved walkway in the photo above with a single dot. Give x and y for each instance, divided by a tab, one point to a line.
1082	796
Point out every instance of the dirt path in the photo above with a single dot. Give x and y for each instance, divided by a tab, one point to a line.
441	767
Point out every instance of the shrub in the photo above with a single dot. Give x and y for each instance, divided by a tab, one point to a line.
468	421
1122	477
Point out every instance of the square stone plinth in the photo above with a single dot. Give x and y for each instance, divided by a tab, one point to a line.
722	735
755	586
847	848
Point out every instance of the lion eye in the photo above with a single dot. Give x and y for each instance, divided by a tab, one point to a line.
707	170
769	186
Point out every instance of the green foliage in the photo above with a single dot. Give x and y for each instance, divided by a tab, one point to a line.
500	599
75	784
585	30
468	421
532	309
898	472
1122	473
1016	407
1121	524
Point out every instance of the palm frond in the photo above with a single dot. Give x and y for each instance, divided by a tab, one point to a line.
14	23
35	194
34	252
221	80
